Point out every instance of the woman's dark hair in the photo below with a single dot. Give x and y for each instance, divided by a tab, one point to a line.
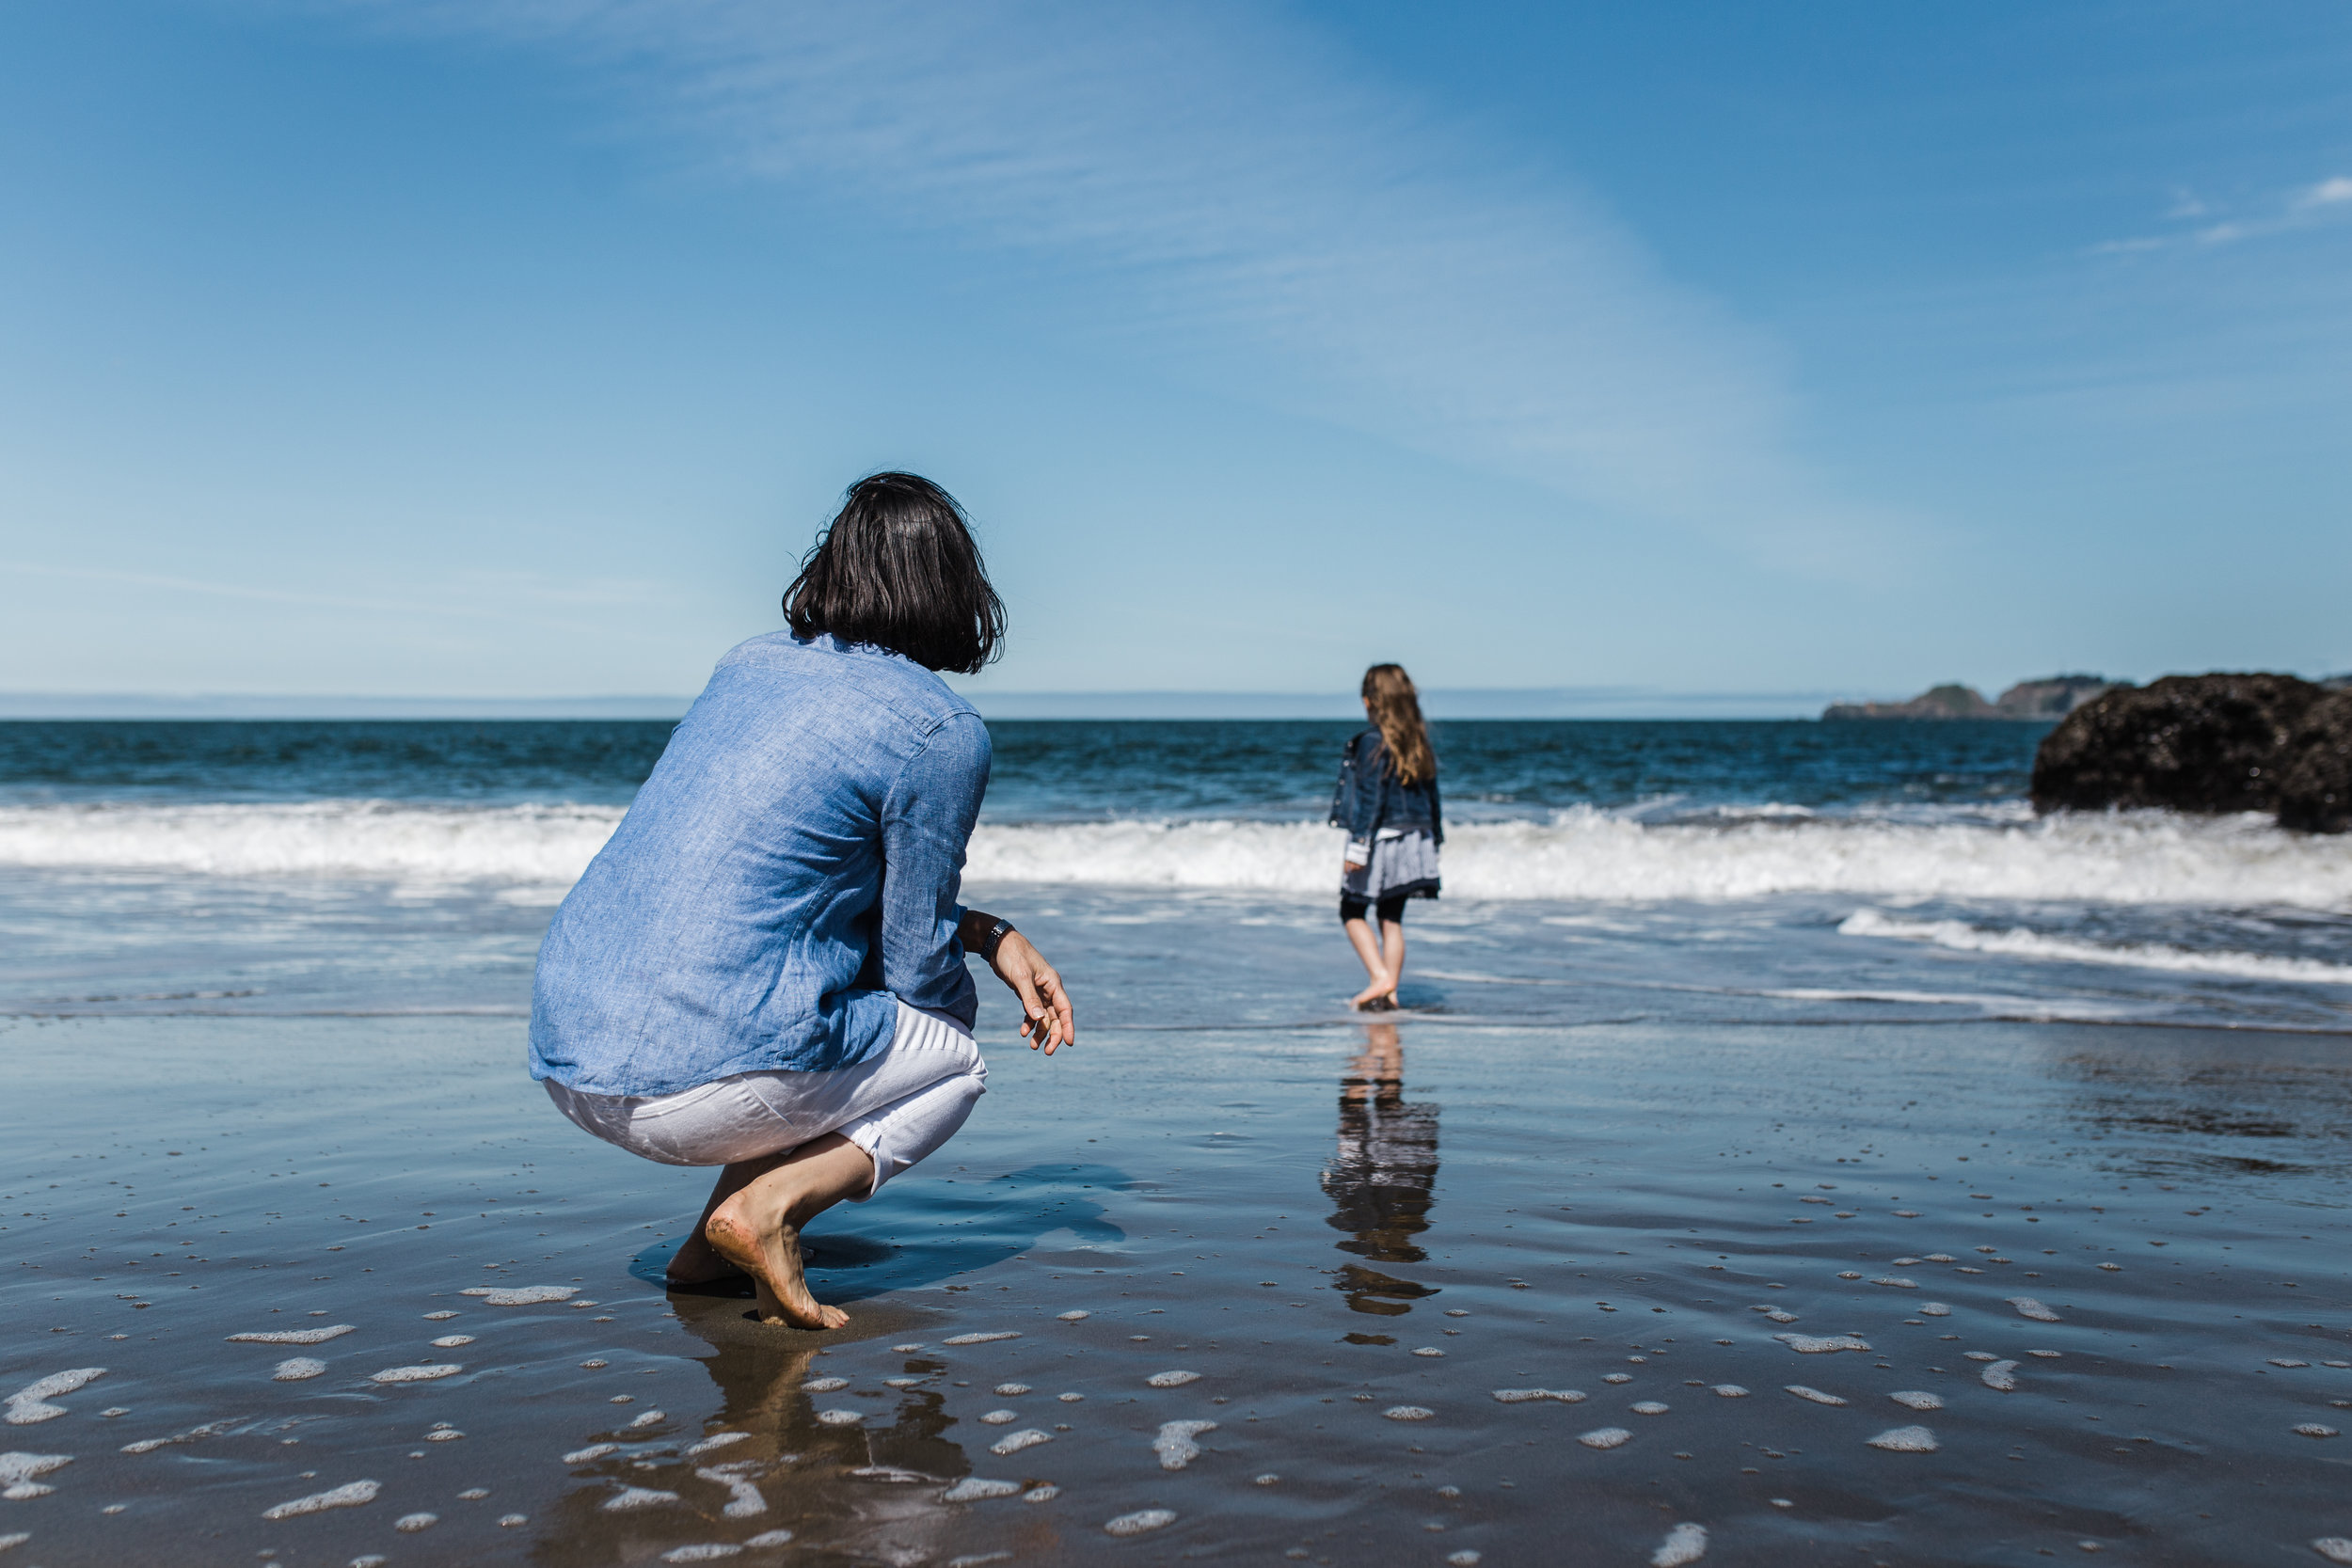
897	567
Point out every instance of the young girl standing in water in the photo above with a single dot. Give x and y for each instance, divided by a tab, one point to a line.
1387	802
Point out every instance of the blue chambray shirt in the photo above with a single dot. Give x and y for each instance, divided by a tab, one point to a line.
784	879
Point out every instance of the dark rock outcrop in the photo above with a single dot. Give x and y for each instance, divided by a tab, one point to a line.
2194	743
2316	785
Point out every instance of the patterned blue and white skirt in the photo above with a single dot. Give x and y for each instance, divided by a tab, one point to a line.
1403	865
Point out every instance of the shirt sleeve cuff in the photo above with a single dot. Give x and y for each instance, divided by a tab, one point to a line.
1358	851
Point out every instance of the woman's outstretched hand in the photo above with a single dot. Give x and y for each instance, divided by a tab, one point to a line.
1045	1015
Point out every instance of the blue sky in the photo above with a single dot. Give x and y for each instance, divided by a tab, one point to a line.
519	346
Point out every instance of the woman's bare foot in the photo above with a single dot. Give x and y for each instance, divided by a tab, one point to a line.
1378	997
697	1262
758	1227
771	1254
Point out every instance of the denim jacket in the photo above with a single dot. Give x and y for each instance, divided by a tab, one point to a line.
1369	796
786	877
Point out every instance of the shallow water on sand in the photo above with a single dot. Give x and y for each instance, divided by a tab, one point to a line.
1336	1228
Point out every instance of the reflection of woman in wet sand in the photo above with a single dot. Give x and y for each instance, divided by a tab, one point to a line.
1382	1176
868	1491
764	969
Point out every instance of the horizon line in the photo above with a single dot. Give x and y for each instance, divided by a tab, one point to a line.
1549	702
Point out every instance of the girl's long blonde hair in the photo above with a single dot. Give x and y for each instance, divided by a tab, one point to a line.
1396	710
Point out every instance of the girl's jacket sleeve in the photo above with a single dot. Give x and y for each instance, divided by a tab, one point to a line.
1355	803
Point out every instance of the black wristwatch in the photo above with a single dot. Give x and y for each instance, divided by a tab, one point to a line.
997	931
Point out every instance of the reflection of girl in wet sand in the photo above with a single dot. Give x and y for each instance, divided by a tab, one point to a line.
1387	800
764	969
1383	1176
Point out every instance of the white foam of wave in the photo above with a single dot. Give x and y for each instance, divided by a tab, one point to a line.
1579	854
527	844
2019	944
1588	854
1991	1001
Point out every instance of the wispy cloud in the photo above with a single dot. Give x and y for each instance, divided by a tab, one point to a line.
2279	214
2327	193
1227	179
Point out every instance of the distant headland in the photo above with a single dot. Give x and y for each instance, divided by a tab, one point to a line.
2051	698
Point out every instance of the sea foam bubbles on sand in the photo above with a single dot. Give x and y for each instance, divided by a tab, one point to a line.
1906	1440
30	1406
350	1495
972	1489
1175	1445
521	1295
20	1473
293	1335
1684	1545
1139	1521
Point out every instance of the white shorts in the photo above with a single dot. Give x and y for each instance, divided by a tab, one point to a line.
898	1106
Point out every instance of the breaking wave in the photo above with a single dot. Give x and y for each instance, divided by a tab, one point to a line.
1591	855
2017	942
550	843
1581	854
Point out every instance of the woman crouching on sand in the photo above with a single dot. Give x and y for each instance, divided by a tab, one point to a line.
764	969
1387	802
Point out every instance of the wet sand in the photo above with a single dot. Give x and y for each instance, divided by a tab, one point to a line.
2089	1277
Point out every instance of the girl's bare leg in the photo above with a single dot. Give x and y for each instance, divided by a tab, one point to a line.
1368	950
757	1228
1393	953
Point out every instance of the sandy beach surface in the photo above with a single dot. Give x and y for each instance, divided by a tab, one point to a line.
1599	1293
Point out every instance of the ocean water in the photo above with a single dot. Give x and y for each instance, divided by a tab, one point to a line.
1791	1151
1593	869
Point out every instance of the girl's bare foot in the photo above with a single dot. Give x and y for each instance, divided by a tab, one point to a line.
1379	996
